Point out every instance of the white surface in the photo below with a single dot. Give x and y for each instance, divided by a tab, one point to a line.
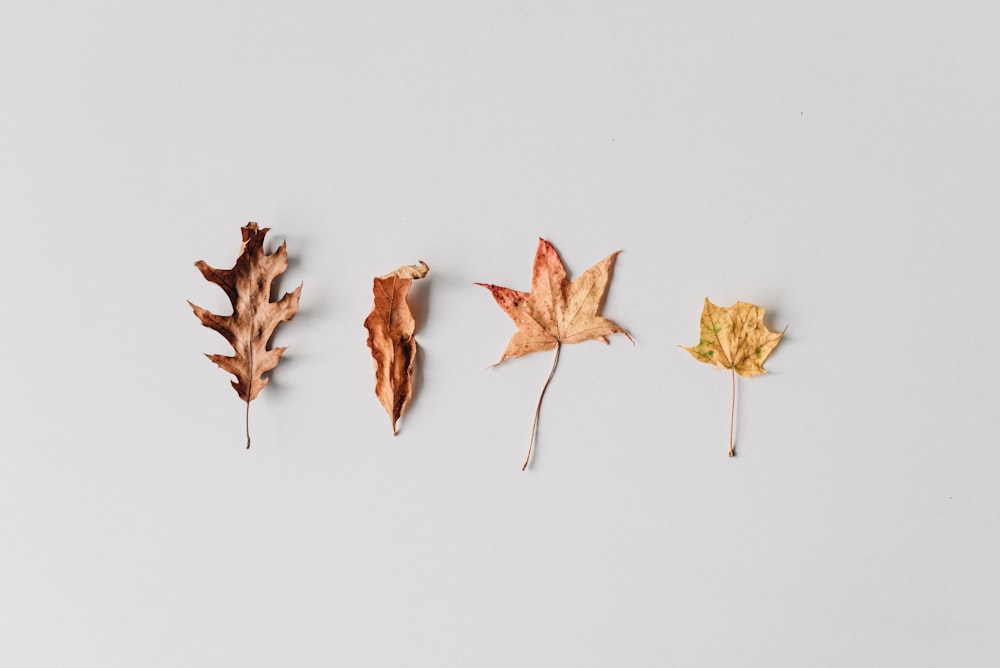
835	164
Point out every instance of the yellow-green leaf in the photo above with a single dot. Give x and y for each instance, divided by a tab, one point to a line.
735	338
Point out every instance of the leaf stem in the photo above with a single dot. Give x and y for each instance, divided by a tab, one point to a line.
732	417
248	424
538	406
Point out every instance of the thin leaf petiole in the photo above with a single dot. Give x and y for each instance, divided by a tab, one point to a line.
538	406
732	417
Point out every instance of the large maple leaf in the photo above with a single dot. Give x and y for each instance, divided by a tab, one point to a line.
556	311
390	328
735	338
249	328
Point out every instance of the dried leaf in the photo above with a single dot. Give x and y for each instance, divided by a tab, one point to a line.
735	338
390	336
249	328
556	311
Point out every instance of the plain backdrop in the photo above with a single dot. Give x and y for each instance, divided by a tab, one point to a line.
836	163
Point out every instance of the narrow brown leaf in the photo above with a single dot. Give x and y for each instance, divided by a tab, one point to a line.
390	336
254	317
556	311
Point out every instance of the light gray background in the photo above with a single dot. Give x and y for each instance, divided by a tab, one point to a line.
836	164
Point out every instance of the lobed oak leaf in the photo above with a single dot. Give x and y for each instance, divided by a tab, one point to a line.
556	311
735	338
390	328
254	317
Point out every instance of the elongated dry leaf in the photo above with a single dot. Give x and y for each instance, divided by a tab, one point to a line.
556	311
254	317
735	338
390	336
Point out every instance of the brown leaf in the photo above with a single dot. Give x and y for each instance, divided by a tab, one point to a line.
556	311
735	338
254	317
390	336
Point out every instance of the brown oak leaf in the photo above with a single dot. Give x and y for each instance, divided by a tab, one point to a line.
254	317
735	338
390	336
556	311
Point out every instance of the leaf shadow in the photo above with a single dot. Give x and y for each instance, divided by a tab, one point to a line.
419	301
277	292
416	384
609	282
770	317
769	322
294	261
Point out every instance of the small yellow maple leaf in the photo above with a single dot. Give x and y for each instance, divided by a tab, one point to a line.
735	338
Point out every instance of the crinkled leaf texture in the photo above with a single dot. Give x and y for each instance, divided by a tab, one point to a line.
735	337
556	310
390	337
254	317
